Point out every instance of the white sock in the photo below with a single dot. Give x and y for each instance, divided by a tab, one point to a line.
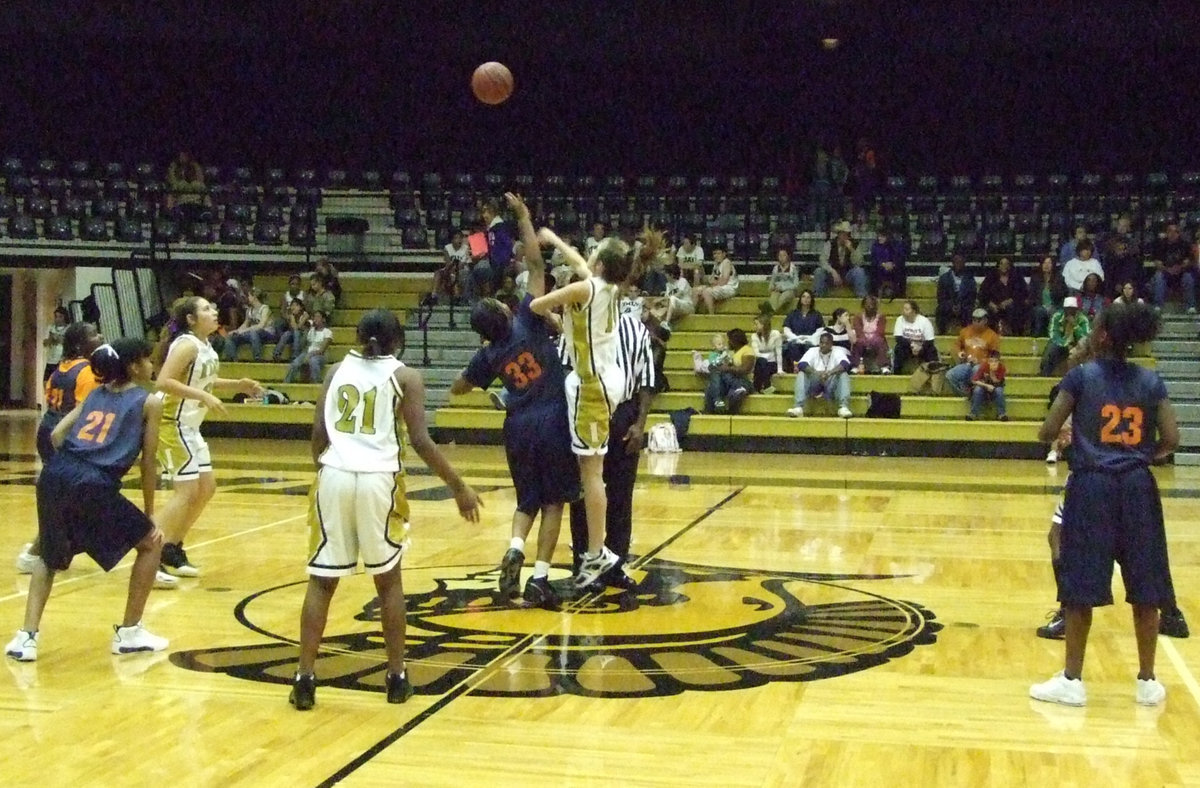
589	556
541	568
517	543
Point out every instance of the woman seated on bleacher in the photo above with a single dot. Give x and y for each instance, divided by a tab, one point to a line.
676	301
840	329
1046	291
723	282
768	354
870	350
798	328
914	337
255	330
729	382
1003	295
1091	298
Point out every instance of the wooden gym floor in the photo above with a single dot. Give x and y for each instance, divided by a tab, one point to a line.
801	621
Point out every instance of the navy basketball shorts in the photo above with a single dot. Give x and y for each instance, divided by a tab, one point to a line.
544	470
45	448
81	510
1113	517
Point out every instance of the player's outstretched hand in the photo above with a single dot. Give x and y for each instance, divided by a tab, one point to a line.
251	388
517	205
468	503
214	404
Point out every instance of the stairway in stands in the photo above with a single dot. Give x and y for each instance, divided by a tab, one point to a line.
1177	350
449	350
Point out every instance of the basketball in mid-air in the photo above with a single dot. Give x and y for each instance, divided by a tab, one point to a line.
492	82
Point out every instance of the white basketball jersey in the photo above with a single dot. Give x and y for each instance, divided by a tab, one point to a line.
590	332
360	415
200	375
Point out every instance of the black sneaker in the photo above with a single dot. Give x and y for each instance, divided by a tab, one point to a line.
510	572
538	593
616	578
399	689
304	692
1056	629
1172	624
175	561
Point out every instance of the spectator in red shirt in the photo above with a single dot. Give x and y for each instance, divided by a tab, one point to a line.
988	384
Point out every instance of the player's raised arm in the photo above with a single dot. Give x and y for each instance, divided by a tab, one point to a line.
579	266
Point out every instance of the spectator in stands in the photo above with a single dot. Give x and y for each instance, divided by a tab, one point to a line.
1091	298
632	301
868	182
841	330
187	195
820	190
296	323
677	300
1046	290
316	344
54	341
823	372
729	382
798	329
914	337
987	383
768	354
1003	294
594	239
887	266
955	295
690	258
294	292
1128	294
1175	267
1067	328
456	259
1083	263
319	298
870	351
329	275
507	294
782	285
840	263
1070	248
255	329
723	282
1122	256
975	342
500	241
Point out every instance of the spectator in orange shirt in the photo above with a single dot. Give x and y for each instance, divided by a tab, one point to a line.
975	343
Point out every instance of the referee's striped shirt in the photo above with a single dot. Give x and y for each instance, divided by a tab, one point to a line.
634	356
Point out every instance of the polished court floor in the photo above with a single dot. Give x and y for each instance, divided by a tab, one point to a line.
800	621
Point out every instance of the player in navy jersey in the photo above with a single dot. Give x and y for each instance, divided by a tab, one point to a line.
537	440
1122	421
79	501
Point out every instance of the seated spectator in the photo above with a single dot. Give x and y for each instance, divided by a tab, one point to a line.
703	363
888	257
840	329
295	292
1046	291
823	372
914	337
840	263
319	299
729	382
677	300
456	258
631	302
987	384
955	295
254	330
1175	267
316	343
653	281
690	258
1128	294
1091	299
187	196
723	283
329	275
798	329
782	285
768	354
1067	329
1003	294
1070	248
507	294
974	344
1083	263
593	240
870	351
296	322
1122	256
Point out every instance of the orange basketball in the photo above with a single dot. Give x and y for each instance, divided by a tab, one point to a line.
492	83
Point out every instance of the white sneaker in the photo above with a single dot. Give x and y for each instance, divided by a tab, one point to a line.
1150	692
590	569
844	412
23	647
26	562
885	371
162	580
795	413
1051	457
135	639
1060	689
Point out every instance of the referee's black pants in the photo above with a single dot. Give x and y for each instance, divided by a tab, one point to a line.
620	473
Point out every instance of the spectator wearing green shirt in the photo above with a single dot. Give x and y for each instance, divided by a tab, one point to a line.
1067	327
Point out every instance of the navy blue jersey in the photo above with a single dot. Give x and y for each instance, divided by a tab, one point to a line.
1115	419
108	433
527	363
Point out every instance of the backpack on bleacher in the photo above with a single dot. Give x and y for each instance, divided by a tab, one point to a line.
662	439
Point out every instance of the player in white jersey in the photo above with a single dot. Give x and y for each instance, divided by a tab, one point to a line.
594	385
357	505
186	380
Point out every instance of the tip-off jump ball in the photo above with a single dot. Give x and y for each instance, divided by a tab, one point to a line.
492	83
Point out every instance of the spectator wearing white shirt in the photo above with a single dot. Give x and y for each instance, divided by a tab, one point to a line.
768	354
318	339
724	282
824	371
914	337
1083	263
782	284
690	258
677	302
456	255
593	240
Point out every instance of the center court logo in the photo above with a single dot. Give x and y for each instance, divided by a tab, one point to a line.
687	627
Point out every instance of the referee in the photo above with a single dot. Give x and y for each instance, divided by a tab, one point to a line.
628	424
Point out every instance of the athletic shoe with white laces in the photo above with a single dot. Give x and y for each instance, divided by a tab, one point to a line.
1150	692
510	572
590	569
844	412
26	561
23	647
1051	457
135	639
1060	689
162	580
175	561
795	413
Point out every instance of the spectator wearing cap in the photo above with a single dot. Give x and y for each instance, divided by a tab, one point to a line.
975	343
1081	266
1067	328
841	262
955	295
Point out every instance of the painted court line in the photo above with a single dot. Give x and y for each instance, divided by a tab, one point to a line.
1181	667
